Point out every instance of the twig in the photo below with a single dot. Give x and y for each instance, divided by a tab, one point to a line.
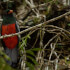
52	26
23	63
28	13
53	52
50	41
39	25
36	40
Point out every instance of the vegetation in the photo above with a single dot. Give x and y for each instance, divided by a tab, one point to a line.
45	34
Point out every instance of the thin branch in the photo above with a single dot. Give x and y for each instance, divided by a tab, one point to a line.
50	41
52	26
39	25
